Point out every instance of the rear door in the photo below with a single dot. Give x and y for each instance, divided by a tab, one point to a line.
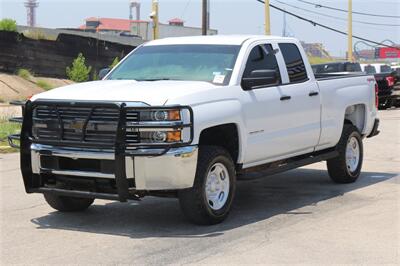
301	109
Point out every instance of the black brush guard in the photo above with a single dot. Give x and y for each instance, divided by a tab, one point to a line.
33	182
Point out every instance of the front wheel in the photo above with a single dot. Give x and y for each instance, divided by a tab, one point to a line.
67	204
346	167
209	200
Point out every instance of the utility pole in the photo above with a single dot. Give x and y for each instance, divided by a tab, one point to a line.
267	19
284	32
204	18
350	33
154	17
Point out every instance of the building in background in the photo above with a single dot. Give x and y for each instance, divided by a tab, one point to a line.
387	52
366	54
140	28
315	49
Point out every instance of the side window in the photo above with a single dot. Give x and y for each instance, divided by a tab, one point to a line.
370	69
294	62
262	58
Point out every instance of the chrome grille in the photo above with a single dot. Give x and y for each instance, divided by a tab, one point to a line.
132	136
75	124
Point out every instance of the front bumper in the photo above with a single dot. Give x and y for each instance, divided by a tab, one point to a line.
173	170
104	170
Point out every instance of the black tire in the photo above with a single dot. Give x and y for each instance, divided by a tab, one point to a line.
193	201
338	169
67	204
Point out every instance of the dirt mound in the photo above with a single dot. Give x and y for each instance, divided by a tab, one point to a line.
13	87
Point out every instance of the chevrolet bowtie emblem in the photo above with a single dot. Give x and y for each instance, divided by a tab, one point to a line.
77	125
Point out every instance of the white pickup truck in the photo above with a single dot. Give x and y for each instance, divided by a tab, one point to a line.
186	117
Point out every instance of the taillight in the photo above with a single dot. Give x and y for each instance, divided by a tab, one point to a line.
376	95
390	81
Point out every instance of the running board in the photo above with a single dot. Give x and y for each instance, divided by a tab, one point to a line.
285	165
79	194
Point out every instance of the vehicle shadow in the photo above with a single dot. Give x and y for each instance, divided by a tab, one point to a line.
255	201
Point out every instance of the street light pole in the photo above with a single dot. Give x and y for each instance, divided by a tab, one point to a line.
154	17
350	32
267	19
204	20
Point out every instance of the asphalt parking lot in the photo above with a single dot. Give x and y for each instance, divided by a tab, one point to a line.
294	217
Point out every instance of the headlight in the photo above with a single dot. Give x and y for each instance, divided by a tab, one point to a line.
161	136
160	115
161	126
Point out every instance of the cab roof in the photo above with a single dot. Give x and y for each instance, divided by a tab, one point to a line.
213	39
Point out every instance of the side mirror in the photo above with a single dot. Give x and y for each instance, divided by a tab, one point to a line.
103	72
260	78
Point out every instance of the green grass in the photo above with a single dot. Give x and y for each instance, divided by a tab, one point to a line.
7	128
24	73
44	85
318	60
38	35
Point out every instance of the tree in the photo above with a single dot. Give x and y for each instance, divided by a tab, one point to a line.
79	72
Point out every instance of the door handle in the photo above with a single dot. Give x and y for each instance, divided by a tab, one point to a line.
313	93
285	98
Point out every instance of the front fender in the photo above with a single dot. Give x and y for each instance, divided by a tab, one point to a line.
216	113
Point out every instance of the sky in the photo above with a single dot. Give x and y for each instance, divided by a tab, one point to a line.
228	17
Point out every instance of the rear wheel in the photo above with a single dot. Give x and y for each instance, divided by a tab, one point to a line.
209	200
346	167
67	204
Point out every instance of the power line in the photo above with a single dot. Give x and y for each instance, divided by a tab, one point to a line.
185	8
343	10
334	17
326	27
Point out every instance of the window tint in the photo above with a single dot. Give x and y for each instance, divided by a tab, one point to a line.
386	68
370	69
294	62
260	60
353	67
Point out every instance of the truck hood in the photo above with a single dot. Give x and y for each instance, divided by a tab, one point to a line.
150	92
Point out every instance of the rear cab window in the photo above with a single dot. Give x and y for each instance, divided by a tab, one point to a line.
294	62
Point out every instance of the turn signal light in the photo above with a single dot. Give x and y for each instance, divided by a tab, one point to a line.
174	136
174	115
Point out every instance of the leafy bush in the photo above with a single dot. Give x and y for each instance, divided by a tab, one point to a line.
79	72
8	24
114	63
44	85
24	73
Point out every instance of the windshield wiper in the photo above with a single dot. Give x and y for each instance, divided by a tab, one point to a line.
155	79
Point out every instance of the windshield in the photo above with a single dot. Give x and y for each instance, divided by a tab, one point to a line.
211	63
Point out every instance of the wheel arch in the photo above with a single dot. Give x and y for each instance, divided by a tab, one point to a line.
356	115
224	135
